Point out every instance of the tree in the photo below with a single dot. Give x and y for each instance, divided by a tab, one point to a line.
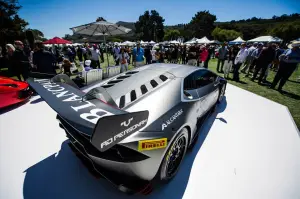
100	19
286	31
202	24
150	26
171	34
225	35
11	25
38	35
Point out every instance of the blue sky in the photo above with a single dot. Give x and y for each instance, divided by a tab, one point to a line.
55	17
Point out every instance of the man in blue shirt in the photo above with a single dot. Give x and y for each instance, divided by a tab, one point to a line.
138	55
288	64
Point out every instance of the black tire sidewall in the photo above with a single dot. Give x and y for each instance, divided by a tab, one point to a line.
162	171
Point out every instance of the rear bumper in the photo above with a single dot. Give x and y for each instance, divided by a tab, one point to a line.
132	175
122	182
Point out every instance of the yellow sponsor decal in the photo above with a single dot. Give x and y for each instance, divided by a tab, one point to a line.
152	144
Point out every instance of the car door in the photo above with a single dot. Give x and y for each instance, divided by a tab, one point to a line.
190	98
213	88
205	86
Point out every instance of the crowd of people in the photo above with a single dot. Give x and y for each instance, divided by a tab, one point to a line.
254	60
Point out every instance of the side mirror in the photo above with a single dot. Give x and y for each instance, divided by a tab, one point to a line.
188	95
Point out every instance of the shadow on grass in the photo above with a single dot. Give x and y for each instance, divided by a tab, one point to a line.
291	95
297	82
241	82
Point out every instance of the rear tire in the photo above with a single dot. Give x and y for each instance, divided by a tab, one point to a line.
174	156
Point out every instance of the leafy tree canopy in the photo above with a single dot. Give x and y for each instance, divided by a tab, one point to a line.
287	31
225	35
171	35
12	26
150	26
202	24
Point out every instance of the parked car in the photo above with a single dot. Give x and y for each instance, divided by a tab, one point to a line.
138	124
13	91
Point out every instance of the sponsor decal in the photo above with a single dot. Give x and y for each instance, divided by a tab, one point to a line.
126	124
90	115
172	119
118	136
152	144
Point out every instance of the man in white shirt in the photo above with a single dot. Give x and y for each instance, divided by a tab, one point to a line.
95	57
249	58
239	60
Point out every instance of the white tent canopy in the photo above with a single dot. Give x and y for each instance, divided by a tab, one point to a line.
215	42
238	40
127	43
296	40
152	42
192	41
265	39
144	42
174	42
203	40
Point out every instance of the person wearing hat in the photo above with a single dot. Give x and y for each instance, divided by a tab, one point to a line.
138	55
288	64
20	61
87	65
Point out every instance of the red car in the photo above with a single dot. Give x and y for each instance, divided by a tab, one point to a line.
13	91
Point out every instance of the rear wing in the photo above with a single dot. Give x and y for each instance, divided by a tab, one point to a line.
107	125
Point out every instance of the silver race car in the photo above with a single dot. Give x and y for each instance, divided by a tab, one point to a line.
138	125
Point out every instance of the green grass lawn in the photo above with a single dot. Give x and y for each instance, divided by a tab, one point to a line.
291	99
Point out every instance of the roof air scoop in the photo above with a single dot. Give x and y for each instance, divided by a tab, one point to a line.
101	94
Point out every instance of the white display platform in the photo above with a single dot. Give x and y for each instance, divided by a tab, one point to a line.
249	149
